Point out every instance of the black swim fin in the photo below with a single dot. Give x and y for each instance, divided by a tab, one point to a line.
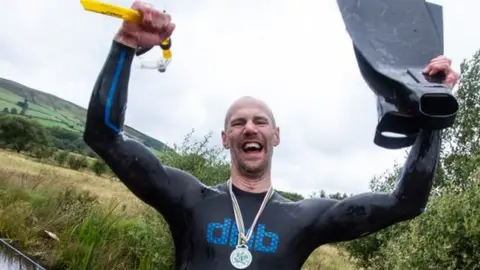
392	118
398	39
436	13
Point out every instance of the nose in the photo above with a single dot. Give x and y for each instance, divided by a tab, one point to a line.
250	128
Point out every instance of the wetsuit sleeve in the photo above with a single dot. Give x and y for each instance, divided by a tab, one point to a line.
141	51
160	186
367	213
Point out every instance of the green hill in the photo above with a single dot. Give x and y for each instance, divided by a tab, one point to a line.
53	111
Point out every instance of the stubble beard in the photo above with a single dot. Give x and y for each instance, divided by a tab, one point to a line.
255	171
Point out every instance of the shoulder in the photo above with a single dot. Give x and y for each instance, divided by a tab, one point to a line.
194	189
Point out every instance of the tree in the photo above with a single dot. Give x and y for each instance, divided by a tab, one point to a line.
199	158
23	105
462	141
291	195
69	140
323	194
320	194
21	134
445	237
338	196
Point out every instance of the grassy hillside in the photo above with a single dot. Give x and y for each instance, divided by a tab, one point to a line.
53	111
76	206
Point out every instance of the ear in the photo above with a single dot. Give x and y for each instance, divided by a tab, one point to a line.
225	143
276	136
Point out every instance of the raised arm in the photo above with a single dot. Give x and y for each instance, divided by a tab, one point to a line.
136	166
366	213
334	221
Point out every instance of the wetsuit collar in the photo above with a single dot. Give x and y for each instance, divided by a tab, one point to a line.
245	194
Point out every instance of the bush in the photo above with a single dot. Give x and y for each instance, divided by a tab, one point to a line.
60	157
444	237
77	162
43	153
198	158
99	167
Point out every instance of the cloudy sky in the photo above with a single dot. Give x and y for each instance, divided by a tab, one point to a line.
295	55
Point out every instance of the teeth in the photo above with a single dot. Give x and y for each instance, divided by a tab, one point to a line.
252	145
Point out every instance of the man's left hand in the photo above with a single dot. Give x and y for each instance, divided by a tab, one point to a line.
442	64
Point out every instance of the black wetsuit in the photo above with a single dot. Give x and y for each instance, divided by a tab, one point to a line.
201	218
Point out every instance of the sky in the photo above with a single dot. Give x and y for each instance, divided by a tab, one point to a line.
295	55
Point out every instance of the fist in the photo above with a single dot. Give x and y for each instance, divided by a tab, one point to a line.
155	27
442	64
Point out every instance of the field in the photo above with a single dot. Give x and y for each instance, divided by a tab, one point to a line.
66	218
55	112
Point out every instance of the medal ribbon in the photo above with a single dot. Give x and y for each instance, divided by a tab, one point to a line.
242	238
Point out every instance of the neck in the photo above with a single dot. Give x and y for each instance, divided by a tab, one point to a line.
251	184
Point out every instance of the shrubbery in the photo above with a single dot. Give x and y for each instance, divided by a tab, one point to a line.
52	145
445	237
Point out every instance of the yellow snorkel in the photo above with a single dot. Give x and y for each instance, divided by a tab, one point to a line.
120	12
126	14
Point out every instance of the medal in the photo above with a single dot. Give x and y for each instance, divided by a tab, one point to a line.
241	257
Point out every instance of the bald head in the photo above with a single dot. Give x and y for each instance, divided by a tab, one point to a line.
248	101
250	120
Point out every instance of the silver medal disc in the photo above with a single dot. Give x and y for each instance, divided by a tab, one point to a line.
241	257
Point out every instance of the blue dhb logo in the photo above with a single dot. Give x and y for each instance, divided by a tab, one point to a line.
226	233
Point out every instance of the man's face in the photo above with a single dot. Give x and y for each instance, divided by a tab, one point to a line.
250	134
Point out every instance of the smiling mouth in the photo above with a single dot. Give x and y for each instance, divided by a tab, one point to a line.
252	147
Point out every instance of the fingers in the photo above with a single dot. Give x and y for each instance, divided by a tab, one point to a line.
168	31
148	14
435	68
438	64
441	58
451	79
153	20
442	64
136	5
164	21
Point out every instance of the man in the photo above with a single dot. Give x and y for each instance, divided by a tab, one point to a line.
210	225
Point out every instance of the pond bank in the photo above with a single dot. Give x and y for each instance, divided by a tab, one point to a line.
12	259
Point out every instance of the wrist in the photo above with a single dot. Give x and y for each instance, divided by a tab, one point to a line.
127	39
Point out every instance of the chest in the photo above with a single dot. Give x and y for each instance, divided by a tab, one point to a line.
214	227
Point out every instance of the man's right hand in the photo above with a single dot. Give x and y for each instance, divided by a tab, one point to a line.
154	28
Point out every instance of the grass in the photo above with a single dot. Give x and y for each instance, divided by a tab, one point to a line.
98	222
46	116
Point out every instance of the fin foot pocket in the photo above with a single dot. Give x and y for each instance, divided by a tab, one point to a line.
395	129
437	111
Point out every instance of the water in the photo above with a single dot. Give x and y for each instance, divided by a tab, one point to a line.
12	259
